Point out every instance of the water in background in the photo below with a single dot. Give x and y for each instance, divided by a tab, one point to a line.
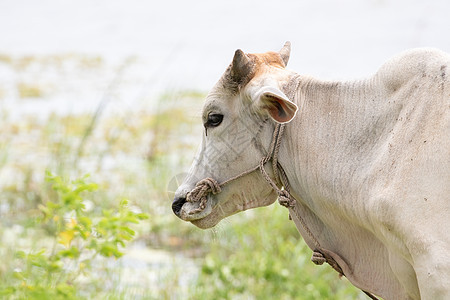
179	45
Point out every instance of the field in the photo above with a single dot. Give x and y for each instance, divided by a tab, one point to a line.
111	234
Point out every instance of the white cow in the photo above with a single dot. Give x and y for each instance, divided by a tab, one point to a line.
367	161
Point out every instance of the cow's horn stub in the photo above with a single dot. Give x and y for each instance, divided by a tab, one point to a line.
285	52
241	66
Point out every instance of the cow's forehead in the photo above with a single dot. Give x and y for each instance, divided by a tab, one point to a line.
267	59
260	63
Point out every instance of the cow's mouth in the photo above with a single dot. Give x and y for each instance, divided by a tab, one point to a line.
190	210
202	218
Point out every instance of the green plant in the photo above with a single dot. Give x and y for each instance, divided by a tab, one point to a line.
77	238
262	256
29	90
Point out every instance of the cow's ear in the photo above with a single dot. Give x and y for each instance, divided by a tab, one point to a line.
276	104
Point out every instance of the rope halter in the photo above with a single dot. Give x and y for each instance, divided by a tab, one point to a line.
210	185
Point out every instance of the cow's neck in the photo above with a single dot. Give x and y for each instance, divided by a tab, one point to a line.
332	141
326	153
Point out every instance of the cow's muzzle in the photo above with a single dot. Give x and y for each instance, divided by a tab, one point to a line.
191	211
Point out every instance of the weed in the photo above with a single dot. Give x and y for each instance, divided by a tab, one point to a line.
77	238
27	90
262	256
6	59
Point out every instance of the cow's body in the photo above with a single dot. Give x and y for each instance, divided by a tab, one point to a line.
369	164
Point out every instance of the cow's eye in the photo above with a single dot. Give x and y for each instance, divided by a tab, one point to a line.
214	120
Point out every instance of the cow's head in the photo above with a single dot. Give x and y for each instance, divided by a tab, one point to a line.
239	116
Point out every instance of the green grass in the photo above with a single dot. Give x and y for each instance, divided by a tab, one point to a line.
262	256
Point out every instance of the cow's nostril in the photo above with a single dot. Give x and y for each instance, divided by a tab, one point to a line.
177	204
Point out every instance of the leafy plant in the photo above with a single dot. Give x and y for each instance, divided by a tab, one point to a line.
77	237
262	256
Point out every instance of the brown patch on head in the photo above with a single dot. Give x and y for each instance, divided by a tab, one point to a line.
264	60
257	63
269	58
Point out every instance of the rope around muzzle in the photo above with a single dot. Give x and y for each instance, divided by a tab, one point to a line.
210	185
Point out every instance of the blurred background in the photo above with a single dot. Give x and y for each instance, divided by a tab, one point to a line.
114	89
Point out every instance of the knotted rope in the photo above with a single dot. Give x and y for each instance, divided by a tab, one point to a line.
210	185
201	191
